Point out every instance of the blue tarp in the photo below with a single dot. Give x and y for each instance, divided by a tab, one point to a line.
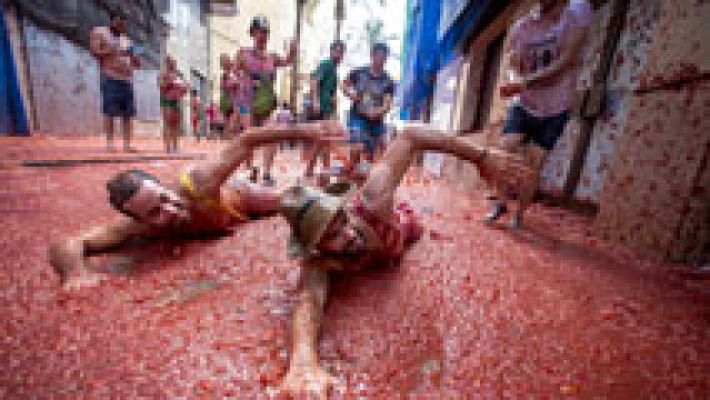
427	51
12	110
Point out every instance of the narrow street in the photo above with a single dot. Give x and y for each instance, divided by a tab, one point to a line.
472	311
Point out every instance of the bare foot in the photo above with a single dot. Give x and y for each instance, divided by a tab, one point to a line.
82	279
314	382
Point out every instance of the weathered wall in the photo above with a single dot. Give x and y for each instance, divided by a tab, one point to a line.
655	197
65	84
629	61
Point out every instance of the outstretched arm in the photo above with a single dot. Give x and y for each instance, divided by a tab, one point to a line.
385	177
69	256
209	176
305	375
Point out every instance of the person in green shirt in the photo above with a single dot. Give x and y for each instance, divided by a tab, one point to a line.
324	82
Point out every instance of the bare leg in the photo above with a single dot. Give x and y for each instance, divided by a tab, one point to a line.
511	142
127	133
535	156
305	375
166	128
176	133
108	128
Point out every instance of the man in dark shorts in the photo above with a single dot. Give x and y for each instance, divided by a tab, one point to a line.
324	82
117	60
371	90
546	53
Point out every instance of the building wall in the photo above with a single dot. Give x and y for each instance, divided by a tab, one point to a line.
65	84
656	195
628	63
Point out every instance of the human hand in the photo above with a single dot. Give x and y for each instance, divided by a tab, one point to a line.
309	381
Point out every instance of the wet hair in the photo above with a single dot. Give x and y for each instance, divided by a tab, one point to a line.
381	46
258	22
336	44
124	185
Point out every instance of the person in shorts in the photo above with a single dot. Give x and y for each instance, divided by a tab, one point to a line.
117	59
546	53
324	82
371	91
172	89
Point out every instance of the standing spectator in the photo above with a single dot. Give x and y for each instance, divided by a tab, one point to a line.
257	96
324	82
172	88
227	94
546	52
117	60
371	90
197	114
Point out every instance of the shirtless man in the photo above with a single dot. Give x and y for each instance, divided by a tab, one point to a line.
183	208
332	230
117	60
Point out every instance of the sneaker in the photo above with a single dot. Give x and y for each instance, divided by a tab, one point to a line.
498	210
516	222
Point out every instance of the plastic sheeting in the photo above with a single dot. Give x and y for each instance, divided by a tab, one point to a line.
427	51
13	120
